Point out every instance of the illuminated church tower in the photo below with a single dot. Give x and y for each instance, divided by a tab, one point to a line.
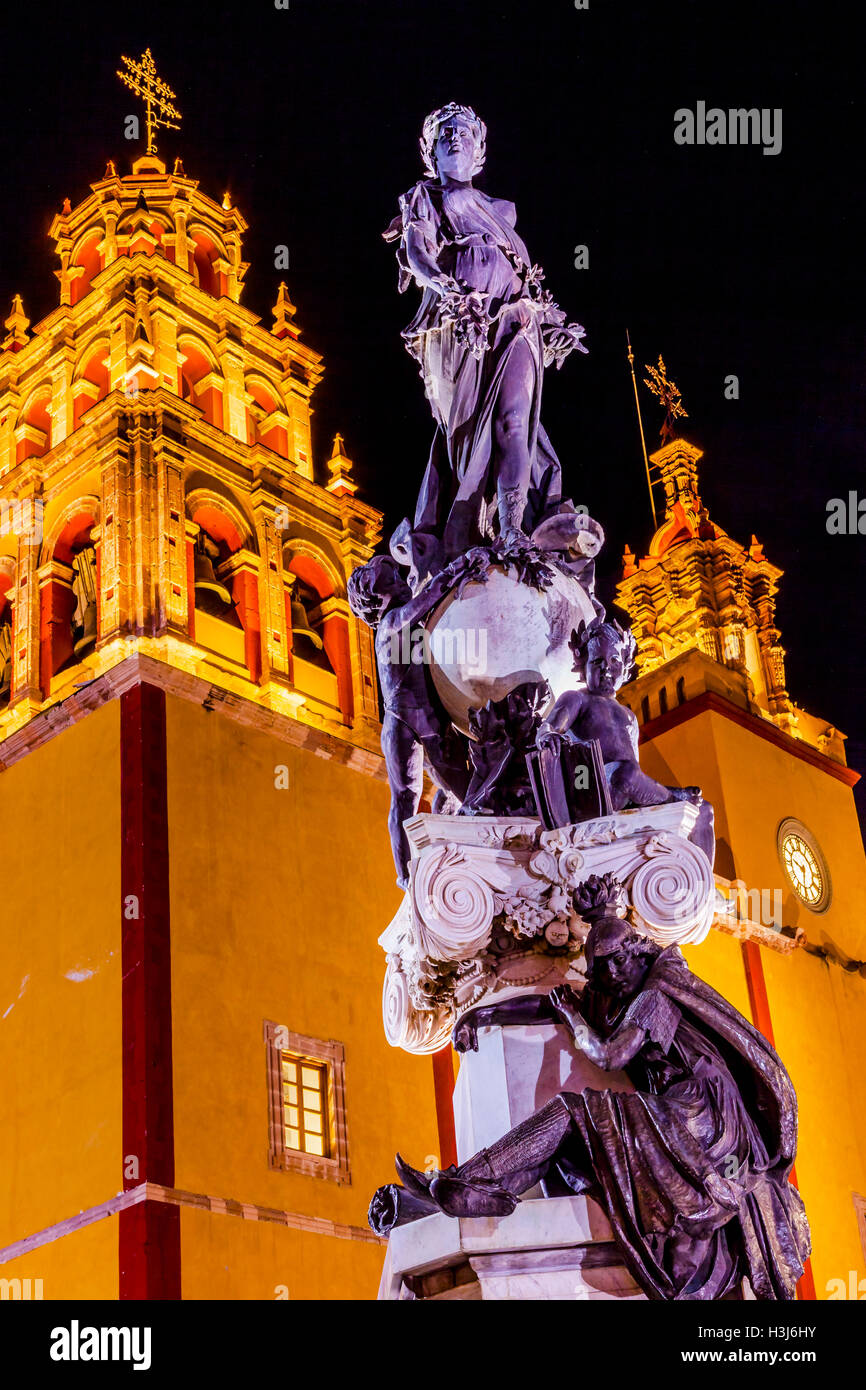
198	1099
714	710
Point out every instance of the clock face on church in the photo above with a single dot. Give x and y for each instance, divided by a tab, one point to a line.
804	865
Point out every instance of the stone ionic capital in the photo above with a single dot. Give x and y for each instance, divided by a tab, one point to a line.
490	905
419	1031
672	894
453	902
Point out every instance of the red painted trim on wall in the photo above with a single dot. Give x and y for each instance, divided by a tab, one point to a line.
149	1233
759	1004
443	1086
757	987
708	700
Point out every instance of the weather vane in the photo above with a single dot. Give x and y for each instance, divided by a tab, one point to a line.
669	395
142	79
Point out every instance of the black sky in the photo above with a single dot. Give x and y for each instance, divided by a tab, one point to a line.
723	259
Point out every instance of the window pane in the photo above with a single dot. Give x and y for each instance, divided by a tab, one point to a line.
304	1091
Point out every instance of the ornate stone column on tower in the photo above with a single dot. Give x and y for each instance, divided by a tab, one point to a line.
697	591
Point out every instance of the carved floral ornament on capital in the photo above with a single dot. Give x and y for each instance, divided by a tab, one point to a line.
474	909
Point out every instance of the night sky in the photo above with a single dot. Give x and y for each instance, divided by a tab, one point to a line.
723	259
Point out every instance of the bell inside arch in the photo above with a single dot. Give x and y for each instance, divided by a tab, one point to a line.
5	662
301	628
84	625
204	579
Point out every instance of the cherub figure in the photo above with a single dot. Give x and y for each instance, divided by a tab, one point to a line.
603	656
414	721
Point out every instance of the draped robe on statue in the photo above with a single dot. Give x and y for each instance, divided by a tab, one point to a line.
693	1168
471	237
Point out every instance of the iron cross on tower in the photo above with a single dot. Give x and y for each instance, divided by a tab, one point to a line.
141	78
668	393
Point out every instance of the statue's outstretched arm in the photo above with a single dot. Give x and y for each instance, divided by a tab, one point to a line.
422	261
471	565
561	717
612	1055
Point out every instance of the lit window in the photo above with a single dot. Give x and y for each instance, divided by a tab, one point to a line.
804	864
306	1119
306	1089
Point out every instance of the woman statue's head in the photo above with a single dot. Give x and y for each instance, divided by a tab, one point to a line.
454	143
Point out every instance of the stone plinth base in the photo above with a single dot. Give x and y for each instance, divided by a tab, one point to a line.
513	1074
554	1248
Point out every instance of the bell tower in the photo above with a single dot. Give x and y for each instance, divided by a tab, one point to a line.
703	611
191	781
714	710
155	424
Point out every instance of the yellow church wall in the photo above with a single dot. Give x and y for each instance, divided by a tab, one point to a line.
277	900
60	978
81	1265
719	961
821	1036
818	1010
226	1257
763	784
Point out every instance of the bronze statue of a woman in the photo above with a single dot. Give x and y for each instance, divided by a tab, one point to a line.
483	335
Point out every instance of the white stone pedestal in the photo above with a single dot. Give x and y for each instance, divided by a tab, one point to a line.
559	1248
514	1072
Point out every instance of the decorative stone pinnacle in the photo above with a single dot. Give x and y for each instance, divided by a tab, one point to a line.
340	470
18	324
284	311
